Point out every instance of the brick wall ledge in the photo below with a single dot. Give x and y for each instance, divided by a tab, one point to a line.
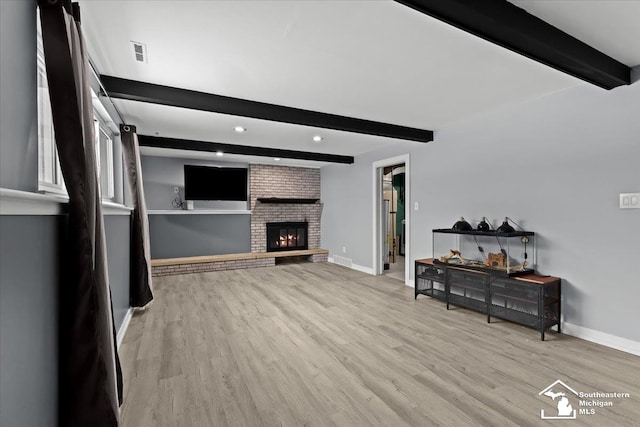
235	257
201	264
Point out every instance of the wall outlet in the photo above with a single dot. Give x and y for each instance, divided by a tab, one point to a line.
629	200
176	190
416	206
344	249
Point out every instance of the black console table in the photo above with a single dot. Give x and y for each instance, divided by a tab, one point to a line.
529	300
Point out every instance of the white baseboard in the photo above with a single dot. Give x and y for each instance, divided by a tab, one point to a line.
608	340
357	267
123	328
367	270
363	269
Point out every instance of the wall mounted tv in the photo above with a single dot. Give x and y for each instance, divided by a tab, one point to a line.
215	183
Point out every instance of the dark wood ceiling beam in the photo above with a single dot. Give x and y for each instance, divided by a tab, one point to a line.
509	26
165	95
212	147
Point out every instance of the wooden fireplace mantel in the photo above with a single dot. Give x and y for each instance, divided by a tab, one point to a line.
288	201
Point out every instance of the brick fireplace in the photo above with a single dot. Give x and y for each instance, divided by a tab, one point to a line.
297	189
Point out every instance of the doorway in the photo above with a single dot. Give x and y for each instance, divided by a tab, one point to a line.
391	218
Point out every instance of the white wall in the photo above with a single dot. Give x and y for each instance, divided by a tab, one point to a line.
555	165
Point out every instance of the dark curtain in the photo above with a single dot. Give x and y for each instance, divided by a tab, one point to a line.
140	289
90	376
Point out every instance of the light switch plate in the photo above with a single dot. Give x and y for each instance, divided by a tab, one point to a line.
629	200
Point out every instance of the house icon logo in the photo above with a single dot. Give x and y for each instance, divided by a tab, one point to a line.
558	392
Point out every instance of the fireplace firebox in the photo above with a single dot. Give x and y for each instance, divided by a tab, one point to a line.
286	236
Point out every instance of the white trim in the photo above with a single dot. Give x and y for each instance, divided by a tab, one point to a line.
111	208
357	267
16	202
125	325
198	212
362	269
54	189
411	283
608	340
404	158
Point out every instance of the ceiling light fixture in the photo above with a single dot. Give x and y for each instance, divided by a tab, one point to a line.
239	129
277	159
219	153
317	138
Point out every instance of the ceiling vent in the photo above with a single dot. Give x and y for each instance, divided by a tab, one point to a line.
139	51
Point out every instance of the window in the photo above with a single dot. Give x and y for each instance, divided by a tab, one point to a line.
104	158
49	173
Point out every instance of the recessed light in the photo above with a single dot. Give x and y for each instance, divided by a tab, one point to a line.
317	138
219	153
239	129
277	159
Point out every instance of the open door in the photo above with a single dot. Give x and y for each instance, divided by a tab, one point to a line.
391	218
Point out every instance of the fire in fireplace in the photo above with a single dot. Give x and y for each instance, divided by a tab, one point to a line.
286	236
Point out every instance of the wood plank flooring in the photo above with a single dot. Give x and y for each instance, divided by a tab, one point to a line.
316	344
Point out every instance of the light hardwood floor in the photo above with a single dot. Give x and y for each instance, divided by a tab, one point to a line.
319	344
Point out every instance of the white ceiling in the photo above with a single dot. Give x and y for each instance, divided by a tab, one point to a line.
376	60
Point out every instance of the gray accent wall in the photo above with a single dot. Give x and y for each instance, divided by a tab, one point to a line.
183	235
117	229
175	236
555	165
19	107
29	320
28	244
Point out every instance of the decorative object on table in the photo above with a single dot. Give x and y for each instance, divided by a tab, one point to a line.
461	225
505	227
453	255
512	253
498	260
483	225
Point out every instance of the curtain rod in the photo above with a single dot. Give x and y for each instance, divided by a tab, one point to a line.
104	91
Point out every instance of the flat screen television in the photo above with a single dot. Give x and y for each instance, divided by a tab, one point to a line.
215	183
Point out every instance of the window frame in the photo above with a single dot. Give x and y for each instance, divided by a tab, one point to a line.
47	150
104	153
